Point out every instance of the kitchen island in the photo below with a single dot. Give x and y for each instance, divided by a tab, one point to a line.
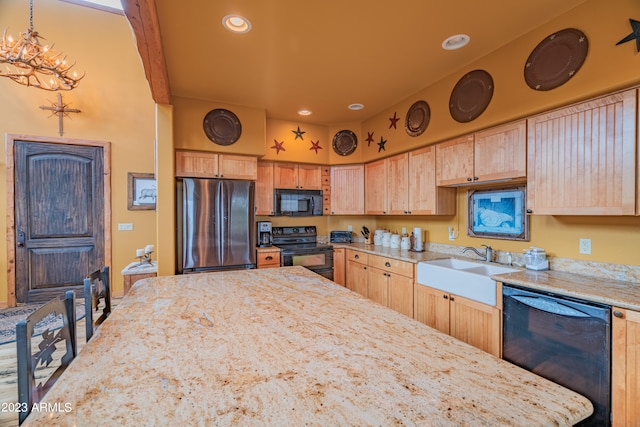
288	347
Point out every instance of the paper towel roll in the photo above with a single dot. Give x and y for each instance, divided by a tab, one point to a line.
417	233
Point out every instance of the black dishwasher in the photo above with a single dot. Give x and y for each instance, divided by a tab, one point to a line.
565	340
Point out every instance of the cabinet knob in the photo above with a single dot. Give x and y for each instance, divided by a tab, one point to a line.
452	299
529	211
445	296
357	257
475	178
469	179
387	264
618	314
221	176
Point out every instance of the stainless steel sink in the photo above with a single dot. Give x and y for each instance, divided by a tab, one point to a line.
464	278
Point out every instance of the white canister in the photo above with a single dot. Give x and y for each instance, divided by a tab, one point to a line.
377	237
405	243
394	241
386	239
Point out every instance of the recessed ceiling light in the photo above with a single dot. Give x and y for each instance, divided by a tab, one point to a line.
355	107
236	24
455	42
304	112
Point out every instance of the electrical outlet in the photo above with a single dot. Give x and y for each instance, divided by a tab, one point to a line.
452	234
349	228
585	246
125	227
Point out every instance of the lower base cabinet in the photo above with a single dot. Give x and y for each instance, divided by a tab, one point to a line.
625	375
339	266
385	280
467	320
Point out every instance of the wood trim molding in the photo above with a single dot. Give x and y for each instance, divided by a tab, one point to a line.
11	221
143	19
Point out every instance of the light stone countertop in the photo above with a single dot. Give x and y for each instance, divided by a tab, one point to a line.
287	347
619	293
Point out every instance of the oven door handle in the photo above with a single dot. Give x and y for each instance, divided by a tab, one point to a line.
549	306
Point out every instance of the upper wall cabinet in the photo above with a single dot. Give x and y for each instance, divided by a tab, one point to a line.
200	164
582	158
297	176
347	190
264	189
496	154
405	184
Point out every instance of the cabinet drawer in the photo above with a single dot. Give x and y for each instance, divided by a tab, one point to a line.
268	259
392	265
357	256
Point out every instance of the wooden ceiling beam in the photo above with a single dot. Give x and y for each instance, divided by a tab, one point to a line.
143	19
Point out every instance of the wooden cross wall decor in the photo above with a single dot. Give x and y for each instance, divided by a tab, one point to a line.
61	110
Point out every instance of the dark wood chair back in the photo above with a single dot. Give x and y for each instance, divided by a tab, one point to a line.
40	365
97	300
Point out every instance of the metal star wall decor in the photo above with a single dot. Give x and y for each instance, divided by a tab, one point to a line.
278	146
381	144
394	120
61	110
635	34
315	146
369	138
298	134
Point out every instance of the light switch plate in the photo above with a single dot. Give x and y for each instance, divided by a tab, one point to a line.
125	227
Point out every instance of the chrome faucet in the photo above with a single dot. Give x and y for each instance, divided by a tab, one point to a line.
487	256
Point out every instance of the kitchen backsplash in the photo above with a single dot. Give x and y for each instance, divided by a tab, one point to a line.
603	270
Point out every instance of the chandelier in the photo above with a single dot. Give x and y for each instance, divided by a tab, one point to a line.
29	63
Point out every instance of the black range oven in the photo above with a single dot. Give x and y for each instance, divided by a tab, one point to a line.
298	246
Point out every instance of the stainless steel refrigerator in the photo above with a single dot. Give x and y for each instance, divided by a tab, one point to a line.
216	227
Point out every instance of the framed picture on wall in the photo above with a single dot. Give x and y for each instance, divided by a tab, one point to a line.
498	213
142	189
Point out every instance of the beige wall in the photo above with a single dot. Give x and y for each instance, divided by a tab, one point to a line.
115	104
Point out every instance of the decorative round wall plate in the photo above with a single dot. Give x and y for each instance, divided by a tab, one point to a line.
556	59
345	142
471	96
418	117
222	126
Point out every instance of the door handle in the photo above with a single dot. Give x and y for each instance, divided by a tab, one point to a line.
20	239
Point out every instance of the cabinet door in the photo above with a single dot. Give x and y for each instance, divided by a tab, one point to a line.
476	324
339	266
357	277
625	367
397	193
310	177
285	175
347	190
238	167
377	286
431	307
425	198
400	291
501	152
196	164
454	161
375	180
264	189
581	159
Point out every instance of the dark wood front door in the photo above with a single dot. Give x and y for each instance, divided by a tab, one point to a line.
59	217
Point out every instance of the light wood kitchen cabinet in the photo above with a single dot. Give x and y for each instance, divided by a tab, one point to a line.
200	164
339	266
264	189
582	158
470	321
357	271
297	176
375	192
495	154
425	197
347	190
390	283
625	372
326	190
268	257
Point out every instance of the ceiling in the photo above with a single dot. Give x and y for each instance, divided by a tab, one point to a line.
322	55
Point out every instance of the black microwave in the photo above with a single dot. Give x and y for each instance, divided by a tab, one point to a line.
297	202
